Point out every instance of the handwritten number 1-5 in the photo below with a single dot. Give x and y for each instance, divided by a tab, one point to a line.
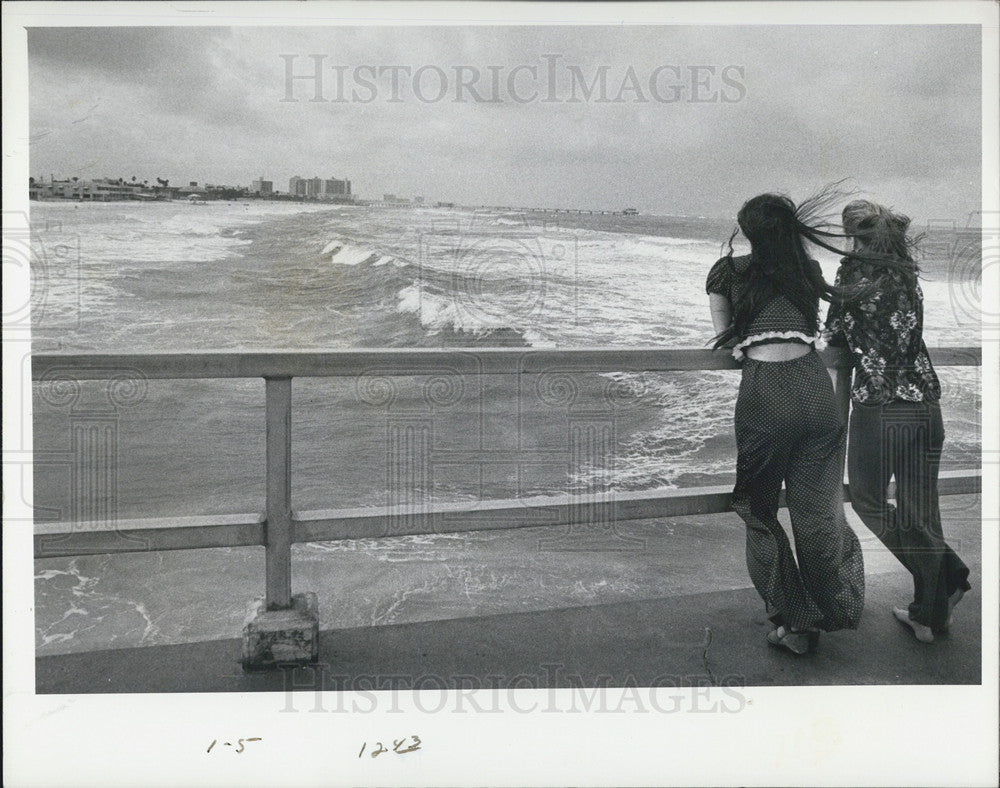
230	744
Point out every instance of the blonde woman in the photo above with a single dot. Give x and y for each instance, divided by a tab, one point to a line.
896	430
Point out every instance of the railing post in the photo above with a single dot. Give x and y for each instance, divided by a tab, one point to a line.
280	629
278	570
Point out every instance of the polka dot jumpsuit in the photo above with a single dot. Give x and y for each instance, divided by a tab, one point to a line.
788	431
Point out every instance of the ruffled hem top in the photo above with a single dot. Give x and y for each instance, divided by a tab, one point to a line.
778	320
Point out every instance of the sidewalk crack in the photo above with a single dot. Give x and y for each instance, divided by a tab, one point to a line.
704	656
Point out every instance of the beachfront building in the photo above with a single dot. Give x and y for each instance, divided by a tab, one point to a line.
305	187
337	188
39	190
262	187
221	192
314	187
96	190
106	189
192	190
319	189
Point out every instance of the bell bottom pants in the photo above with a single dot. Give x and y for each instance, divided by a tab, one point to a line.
903	440
788	430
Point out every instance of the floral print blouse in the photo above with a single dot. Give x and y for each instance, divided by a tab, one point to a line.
884	332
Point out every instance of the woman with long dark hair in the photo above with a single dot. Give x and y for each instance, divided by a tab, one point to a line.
896	428
766	305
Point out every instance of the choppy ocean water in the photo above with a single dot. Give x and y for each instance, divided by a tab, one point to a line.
166	276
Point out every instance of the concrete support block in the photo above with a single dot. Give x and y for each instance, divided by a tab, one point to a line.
279	637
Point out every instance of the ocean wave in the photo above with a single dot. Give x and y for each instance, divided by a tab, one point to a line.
443	316
689	434
345	253
438	312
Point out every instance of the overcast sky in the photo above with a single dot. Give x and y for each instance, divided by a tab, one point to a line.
897	109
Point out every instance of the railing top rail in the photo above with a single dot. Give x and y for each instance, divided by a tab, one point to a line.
412	361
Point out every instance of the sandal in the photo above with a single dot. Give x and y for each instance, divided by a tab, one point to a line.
798	642
920	631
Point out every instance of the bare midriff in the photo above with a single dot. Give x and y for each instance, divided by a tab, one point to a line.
777	351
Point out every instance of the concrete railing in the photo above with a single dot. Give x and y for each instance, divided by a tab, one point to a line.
278	527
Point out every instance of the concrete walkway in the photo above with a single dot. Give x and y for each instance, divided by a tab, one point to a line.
681	639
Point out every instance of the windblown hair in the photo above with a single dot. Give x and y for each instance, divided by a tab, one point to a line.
883	238
780	264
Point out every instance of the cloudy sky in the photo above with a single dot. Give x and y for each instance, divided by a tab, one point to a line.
689	119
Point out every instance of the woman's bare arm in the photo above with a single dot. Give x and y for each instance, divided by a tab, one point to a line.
722	312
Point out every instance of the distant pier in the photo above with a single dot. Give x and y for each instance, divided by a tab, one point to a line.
577	211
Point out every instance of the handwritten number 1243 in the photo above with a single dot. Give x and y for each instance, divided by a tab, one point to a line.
397	747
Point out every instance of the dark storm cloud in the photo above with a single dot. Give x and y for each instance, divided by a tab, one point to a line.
180	71
128	53
896	108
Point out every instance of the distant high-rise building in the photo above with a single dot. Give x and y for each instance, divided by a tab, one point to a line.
319	187
260	186
314	187
336	188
